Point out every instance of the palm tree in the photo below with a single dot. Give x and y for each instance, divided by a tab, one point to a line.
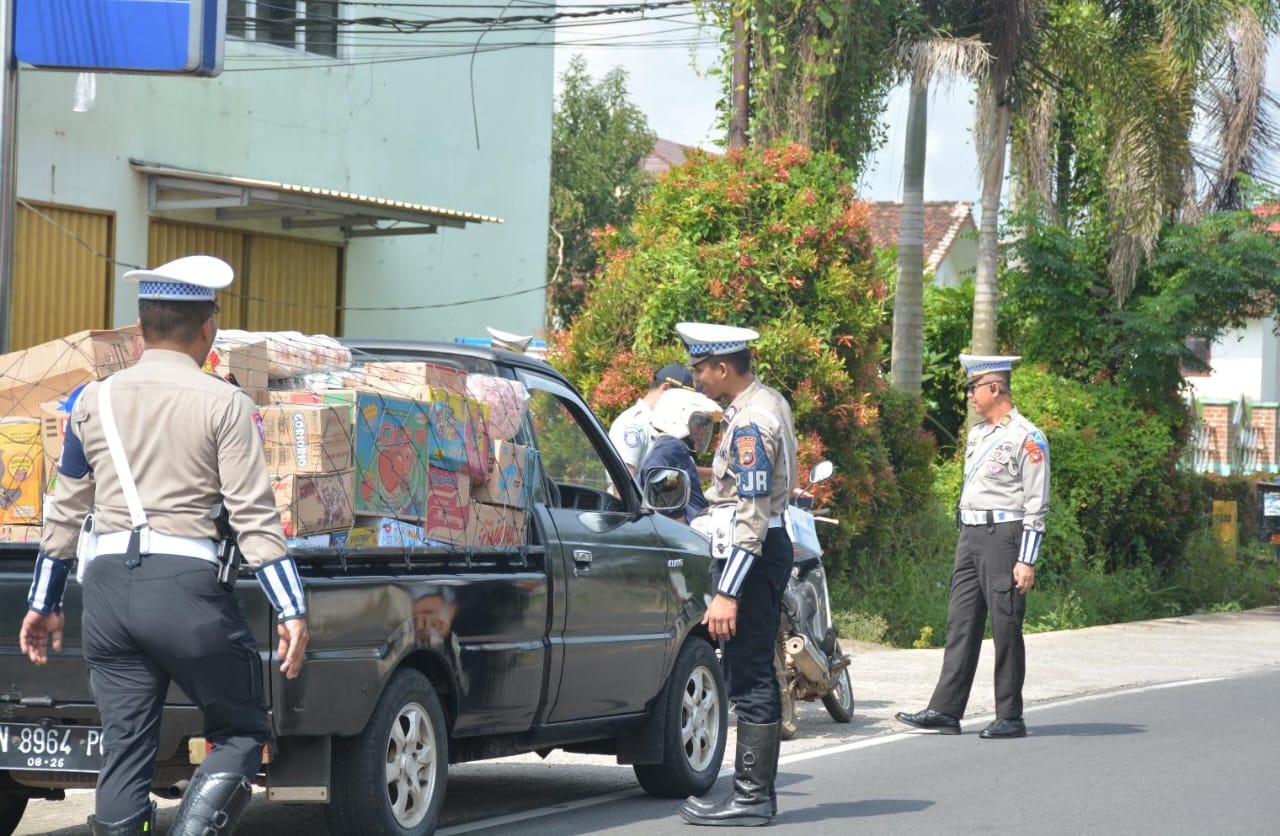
1006	28
1104	132
923	60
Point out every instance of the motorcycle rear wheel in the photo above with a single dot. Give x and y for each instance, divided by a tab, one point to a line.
839	701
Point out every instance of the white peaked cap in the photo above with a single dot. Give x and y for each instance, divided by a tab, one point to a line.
708	339
195	278
976	365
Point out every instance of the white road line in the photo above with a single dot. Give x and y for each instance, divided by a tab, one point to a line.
879	740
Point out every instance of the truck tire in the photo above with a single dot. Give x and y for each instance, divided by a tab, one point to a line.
696	727
391	777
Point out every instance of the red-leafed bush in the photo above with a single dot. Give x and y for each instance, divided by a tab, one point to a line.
771	239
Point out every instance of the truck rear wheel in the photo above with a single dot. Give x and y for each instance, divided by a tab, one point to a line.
391	777
696	727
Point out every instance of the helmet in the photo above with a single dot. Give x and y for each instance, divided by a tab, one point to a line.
681	413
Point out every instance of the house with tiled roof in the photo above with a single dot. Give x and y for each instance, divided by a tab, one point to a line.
667	154
950	237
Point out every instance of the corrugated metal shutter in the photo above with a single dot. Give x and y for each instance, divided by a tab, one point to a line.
295	286
168	240
62	272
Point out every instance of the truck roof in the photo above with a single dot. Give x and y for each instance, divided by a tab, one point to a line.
416	348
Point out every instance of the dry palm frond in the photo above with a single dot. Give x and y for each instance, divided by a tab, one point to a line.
1031	155
1233	100
940	59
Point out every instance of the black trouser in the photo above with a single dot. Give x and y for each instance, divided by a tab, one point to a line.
982	581
167	619
748	656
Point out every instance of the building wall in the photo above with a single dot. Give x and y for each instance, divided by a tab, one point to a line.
399	129
961	261
1238	367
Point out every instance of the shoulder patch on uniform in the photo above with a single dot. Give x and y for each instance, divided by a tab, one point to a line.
1036	447
259	426
632	437
751	462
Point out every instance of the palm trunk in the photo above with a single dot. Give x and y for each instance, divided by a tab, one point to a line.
908	301
985	290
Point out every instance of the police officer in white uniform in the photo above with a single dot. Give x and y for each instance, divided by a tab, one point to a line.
1002	509
752	475
154	609
632	431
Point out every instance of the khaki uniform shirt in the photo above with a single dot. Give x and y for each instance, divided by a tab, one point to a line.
755	465
1006	468
191	440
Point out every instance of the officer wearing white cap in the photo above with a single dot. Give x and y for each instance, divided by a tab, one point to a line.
148	453
632	431
752	474
1002	509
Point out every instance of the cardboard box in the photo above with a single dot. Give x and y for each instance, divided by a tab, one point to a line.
510	480
448	505
307	438
391	441
275	396
311	503
20	534
54	369
451	425
242	363
496	525
363	534
21	472
53	428
432	375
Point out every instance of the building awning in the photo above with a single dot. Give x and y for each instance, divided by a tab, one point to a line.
297	207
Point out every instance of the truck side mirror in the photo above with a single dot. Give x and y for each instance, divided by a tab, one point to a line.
666	489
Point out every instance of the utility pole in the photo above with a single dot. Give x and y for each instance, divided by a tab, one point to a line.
8	168
740	78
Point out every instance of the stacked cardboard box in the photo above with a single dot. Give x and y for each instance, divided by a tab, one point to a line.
308	451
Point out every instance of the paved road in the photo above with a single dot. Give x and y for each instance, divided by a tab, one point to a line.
1191	758
1076	663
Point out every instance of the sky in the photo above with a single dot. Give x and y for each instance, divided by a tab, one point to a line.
666	58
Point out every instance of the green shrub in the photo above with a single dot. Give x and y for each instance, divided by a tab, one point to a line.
770	238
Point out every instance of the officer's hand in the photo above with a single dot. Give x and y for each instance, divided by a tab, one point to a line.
721	618
36	632
293	646
1024	577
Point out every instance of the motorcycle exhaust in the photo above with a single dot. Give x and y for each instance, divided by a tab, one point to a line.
807	658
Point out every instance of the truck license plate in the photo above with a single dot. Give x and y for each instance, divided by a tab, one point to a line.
55	748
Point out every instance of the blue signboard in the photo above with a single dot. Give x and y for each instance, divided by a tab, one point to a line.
129	36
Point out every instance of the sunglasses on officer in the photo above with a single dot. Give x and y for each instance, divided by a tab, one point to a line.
971	387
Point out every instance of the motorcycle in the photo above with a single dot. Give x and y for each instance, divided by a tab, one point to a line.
808	659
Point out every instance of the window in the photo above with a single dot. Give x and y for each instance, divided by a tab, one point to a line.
1197	348
306	25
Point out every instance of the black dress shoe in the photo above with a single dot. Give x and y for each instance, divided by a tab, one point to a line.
931	720
1002	728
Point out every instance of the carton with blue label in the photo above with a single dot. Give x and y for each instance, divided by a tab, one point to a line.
511	478
391	456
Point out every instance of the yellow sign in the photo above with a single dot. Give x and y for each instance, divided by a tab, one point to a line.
1224	525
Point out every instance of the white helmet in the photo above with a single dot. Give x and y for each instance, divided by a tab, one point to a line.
681	413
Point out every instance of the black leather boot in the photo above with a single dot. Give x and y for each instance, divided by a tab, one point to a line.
141	823
212	805
702	805
755	766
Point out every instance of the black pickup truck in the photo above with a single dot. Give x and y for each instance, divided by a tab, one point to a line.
586	639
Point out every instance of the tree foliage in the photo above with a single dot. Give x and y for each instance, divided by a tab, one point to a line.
598	140
819	73
769	238
1204	279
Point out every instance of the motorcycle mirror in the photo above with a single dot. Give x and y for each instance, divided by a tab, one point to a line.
821	471
666	489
